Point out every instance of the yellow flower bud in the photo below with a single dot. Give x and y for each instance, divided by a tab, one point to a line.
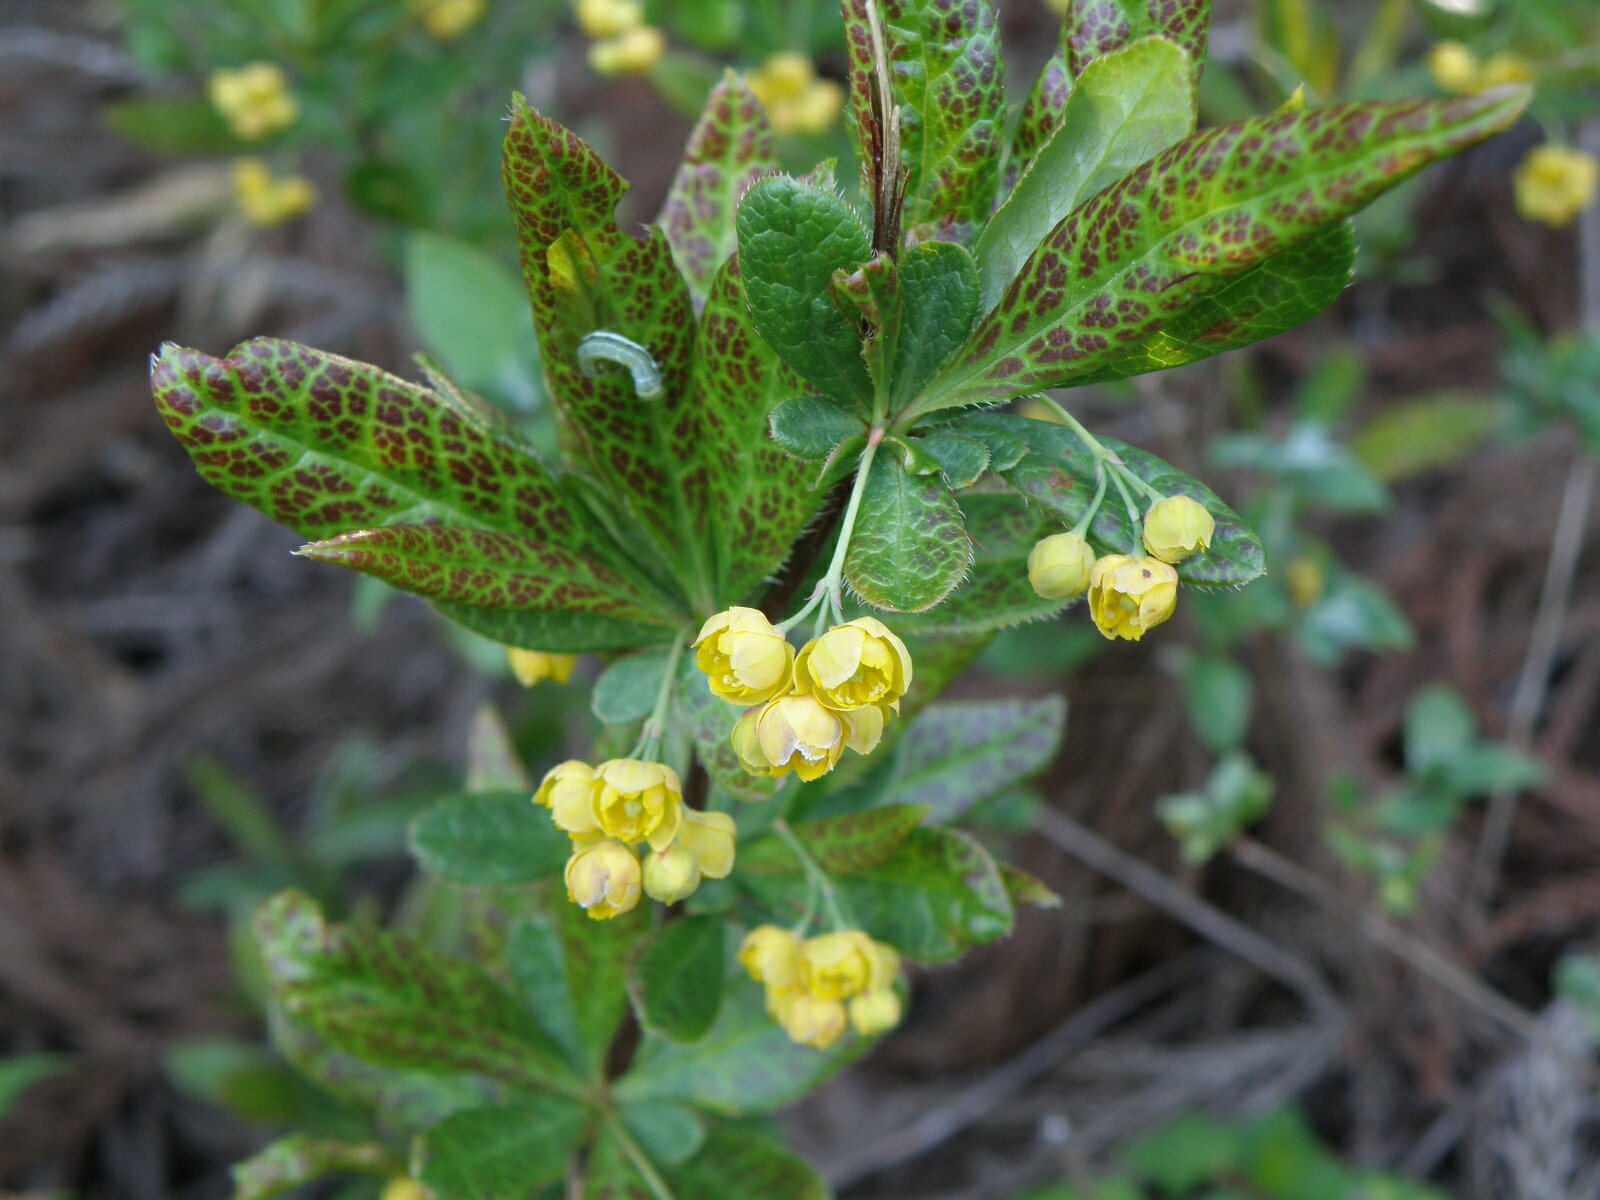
255	100
772	956
608	18
1455	68
671	875
1059	566
836	966
784	76
530	666
798	734
268	199
403	1187
863	728
568	791
1178	527
875	1012
745	658
1129	596
637	801
883	966
710	837
566	778
854	665
812	1021
746	743
817	110
632	53
446	20
1504	69
1556	183
604	880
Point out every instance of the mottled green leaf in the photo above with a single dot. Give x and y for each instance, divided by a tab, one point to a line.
730	149
1133	257
552	632
1424	434
505	1153
810	427
961	460
1096	28
571	972
874	290
677	980
1058	474
1125	109
742	1164
939	282
493	839
841	845
792	238
668	1133
710	722
936	896
626	690
909	549
292	1162
1040	115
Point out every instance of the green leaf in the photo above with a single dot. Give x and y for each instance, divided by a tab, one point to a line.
472	315
678	978
493	839
626	690
810	427
740	1164
1058	474
841	845
1096	28
1134	256
396	1003
571	972
744	1066
294	1161
505	1153
1024	888
909	549
1040	115
668	1133
1438	728
183	125
873	289
1126	108
710	721
1423	434
1219	695
939	285
730	149
552	632
20	1072
792	238
961	460
611	1174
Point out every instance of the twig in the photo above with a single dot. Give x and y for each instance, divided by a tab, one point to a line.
1205	919
944	1121
1468	987
1533	685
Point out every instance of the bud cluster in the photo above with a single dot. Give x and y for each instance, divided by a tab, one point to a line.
254	99
623	43
795	99
817	987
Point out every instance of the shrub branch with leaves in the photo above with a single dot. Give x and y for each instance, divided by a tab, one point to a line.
776	408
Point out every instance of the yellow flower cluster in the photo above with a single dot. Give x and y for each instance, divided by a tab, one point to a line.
795	99
1455	68
837	692
531	666
816	987
608	810
623	44
1129	595
255	100
268	199
446	20
1556	183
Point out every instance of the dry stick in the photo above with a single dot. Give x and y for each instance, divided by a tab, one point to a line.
944	1121
1468	987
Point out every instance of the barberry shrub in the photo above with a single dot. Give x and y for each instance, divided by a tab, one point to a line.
778	406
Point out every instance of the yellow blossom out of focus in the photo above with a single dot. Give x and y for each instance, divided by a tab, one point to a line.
819	987
531	666
255	100
634	52
671	875
1556	183
446	20
608	18
403	1187
1454	68
1306	581
268	199
1504	69
795	99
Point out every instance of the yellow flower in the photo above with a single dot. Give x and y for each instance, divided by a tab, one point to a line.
1129	596
784	76
854	665
604	880
746	743
798	734
795	99
745	658
772	956
809	1020
710	837
863	727
1178	527
564	779
1059	566
568	791
1455	68
608	18
255	99
637	801
1556	183
403	1187
1504	69
447	20
837	966
671	875
268	199
530	666
634	52
875	1012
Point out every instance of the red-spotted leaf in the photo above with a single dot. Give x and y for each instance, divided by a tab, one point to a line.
844	845
729	150
1040	116
1096	28
1132	258
909	548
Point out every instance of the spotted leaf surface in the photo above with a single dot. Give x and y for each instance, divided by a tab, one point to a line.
1058	474
759	498
1125	109
940	285
909	549
329	446
1132	258
1040	116
585	275
1096	28
730	149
